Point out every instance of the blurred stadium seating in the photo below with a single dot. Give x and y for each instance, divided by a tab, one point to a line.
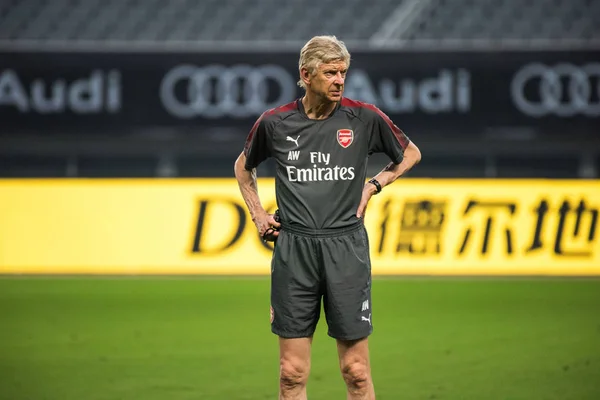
354	20
505	20
205	148
188	20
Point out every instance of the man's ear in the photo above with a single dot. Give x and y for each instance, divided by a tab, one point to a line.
305	75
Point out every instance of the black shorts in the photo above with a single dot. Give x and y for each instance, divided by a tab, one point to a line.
334	266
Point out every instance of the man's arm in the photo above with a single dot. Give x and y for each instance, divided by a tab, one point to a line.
412	156
249	189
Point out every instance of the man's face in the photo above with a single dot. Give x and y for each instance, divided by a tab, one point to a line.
328	82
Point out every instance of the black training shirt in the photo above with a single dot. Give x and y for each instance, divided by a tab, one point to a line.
322	164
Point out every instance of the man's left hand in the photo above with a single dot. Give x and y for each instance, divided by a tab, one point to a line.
368	191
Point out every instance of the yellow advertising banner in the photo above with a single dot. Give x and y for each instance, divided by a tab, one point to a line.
201	226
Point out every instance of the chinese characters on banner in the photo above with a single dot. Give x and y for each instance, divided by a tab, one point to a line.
494	226
416	227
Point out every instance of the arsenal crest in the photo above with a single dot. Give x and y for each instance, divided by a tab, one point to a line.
345	137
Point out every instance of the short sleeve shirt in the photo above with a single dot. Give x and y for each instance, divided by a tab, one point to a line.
321	165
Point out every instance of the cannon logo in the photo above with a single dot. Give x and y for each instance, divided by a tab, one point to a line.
345	137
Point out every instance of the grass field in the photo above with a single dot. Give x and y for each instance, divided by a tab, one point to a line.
208	338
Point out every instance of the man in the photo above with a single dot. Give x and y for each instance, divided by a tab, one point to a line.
321	143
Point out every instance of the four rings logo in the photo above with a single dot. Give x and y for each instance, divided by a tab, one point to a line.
216	91
564	90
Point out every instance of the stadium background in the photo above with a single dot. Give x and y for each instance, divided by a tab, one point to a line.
131	269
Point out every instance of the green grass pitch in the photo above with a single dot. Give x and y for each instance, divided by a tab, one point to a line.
209	338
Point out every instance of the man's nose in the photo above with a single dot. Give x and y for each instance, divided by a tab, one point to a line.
339	78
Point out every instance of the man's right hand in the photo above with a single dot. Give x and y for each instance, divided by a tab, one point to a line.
267	226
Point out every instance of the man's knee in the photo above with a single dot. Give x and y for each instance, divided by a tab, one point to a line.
293	372
356	374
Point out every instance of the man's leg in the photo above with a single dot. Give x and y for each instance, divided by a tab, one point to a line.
294	367
295	312
348	308
356	368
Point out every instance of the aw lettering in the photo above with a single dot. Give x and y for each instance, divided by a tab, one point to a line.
220	224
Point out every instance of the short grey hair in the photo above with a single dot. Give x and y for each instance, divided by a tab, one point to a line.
321	50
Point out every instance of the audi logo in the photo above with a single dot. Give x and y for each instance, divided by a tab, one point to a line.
216	91
564	90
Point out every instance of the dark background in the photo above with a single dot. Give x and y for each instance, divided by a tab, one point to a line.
140	138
